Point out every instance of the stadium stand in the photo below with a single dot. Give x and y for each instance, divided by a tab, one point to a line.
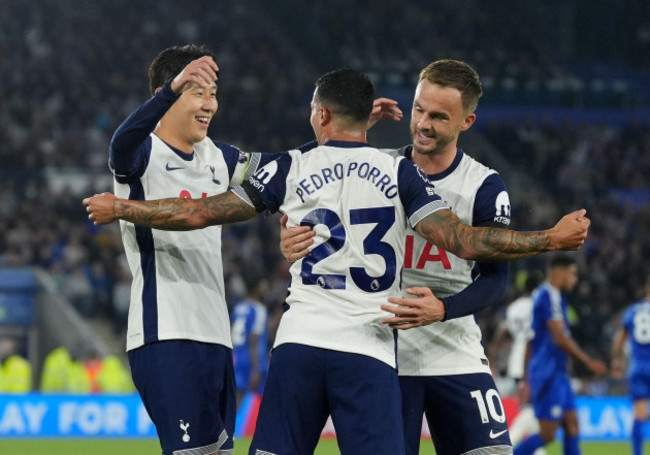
72	71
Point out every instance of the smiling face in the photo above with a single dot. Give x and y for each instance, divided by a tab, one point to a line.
187	120
437	118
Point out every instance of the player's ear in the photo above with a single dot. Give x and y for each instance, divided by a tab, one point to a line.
324	116
155	92
468	121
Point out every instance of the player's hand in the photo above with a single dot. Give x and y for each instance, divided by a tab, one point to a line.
201	72
101	208
295	241
571	231
384	108
597	367
409	313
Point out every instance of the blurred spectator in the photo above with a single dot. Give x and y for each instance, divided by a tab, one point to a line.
113	377
56	368
93	364
78	380
16	371
16	375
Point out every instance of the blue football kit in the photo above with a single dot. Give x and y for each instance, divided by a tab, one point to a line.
550	384
636	321
249	318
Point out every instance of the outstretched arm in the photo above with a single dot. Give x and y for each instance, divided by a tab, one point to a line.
447	231
170	214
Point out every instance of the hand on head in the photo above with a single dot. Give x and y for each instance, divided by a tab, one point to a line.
202	72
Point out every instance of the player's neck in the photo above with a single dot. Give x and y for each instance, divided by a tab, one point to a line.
435	163
174	140
341	134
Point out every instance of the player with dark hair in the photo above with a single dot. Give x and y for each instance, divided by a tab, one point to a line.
517	325
636	328
178	326
444	372
550	385
332	354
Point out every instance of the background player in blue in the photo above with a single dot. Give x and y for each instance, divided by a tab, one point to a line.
332	354
636	328
178	313
250	338
550	385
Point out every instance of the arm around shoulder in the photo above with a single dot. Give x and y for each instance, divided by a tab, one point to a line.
170	214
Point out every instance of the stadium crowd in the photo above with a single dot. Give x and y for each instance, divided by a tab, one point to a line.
525	54
62	96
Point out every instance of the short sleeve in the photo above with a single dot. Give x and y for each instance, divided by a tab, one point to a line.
628	319
270	182
416	192
492	203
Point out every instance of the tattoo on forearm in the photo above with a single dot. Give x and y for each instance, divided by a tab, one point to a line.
488	243
186	214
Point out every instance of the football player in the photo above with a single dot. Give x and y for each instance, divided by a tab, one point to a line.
550	385
332	354
636	328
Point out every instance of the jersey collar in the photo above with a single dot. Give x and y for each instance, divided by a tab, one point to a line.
450	169
182	155
346	144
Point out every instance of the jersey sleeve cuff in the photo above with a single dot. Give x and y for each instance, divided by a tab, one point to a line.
425	211
166	93
247	194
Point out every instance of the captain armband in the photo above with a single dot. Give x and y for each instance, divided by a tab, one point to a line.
253	196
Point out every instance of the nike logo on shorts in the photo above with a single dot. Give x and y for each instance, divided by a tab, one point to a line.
494	435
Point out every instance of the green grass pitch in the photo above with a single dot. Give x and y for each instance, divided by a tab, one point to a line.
151	447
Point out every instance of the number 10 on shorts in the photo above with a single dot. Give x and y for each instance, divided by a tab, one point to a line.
491	397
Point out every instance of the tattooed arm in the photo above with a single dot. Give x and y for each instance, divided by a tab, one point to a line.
447	231
170	214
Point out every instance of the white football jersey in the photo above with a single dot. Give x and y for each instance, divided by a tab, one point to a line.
519	316
360	202
178	289
454	346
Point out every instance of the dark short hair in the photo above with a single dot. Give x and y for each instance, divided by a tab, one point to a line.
561	261
346	92
458	75
170	62
533	279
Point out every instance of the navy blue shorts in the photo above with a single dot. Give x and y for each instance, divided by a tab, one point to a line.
188	389
464	413
552	398
306	384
